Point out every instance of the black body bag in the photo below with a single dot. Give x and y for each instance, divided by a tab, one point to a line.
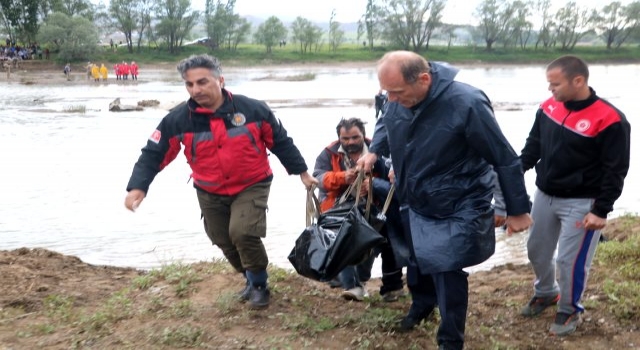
333	240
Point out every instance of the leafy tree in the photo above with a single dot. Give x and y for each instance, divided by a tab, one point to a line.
305	33
546	31
435	20
20	19
573	23
494	16
450	31
224	27
44	9
632	11
519	27
239	32
336	35
405	23
131	16
125	18
73	7
101	18
175	21
613	23
313	35
143	9
75	38
270	32
370	23
218	17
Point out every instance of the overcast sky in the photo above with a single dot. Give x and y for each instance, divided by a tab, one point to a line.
456	11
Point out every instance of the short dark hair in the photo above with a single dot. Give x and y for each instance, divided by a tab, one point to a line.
200	61
347	124
571	66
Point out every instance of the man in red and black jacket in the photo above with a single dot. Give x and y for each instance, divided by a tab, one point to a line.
225	138
579	145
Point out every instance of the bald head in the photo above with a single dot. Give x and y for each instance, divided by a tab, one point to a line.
407	63
405	76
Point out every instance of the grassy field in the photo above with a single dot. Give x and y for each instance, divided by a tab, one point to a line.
248	54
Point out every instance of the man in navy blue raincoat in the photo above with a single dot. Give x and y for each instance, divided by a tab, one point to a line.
444	141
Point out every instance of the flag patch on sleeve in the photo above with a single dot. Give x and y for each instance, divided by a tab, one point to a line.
155	137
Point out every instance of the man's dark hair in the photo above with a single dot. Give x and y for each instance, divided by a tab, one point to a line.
347	124
200	61
571	66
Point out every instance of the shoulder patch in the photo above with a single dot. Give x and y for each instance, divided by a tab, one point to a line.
155	136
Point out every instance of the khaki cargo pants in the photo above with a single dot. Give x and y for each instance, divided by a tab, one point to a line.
237	225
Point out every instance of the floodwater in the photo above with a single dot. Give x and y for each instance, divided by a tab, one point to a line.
63	174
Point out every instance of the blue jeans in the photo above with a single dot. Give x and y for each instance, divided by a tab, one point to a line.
355	275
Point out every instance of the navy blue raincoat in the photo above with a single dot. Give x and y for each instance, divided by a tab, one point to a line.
443	151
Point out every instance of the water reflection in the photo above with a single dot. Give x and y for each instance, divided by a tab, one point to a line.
64	174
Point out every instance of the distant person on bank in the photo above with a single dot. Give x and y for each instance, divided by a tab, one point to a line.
95	72
88	70
226	139
104	72
134	70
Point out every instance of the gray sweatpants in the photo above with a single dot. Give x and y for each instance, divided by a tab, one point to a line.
557	223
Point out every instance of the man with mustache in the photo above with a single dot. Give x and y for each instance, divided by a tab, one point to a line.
335	171
226	139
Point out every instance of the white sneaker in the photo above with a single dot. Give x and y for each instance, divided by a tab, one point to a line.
355	293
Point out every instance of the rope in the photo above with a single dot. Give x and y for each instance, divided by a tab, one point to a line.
313	206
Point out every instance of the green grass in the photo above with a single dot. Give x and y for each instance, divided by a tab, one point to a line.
82	109
182	336
182	276
251	55
623	286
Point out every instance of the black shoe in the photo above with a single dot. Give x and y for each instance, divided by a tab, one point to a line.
538	304
245	293
449	346
413	319
259	298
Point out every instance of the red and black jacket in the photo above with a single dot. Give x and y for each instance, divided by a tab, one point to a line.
226	149
580	149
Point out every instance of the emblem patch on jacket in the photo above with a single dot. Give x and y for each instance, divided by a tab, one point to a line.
155	136
238	119
583	125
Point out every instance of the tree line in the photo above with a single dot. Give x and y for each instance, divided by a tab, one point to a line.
72	27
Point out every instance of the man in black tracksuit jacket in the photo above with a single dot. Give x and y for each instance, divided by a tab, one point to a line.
580	147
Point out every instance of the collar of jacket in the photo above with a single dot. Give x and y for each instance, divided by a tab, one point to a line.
227	107
580	105
442	75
